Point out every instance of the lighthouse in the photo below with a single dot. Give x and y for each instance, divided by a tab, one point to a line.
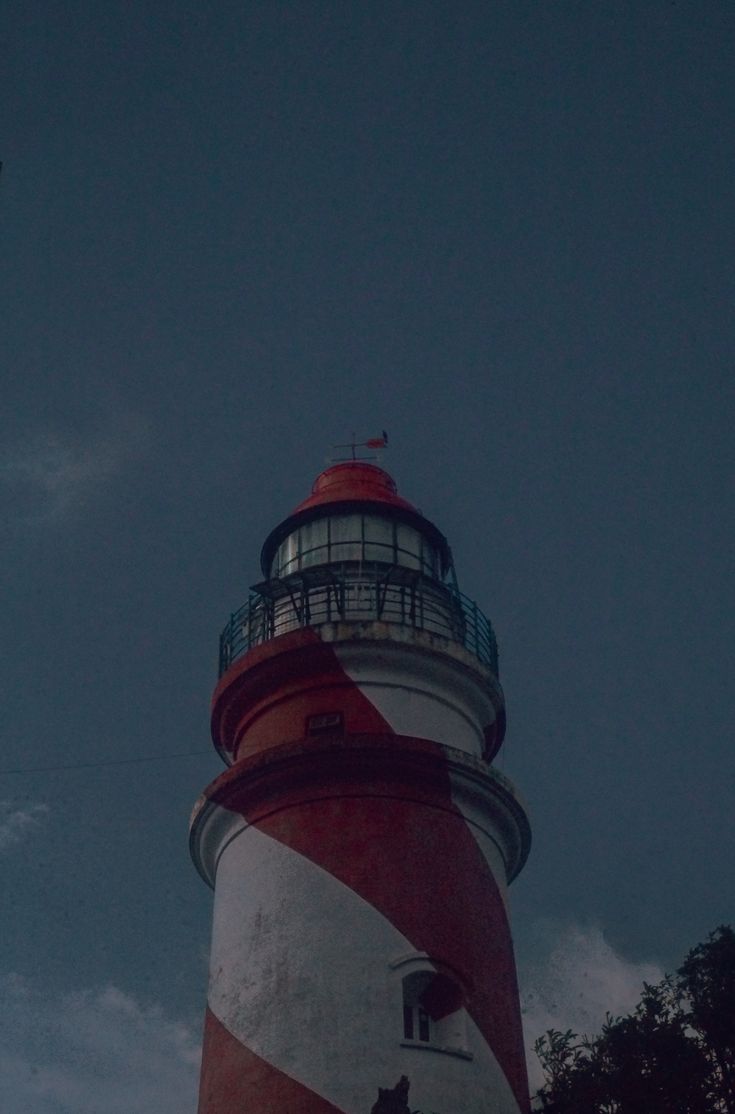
360	842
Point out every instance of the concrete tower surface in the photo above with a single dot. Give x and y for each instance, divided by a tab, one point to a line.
360	843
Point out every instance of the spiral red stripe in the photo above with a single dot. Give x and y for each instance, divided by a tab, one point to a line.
234	1079
266	698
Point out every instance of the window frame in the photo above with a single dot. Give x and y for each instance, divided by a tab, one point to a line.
447	1034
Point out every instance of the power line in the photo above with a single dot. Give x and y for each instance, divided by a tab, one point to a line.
105	762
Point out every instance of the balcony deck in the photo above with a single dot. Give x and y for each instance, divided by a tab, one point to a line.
357	593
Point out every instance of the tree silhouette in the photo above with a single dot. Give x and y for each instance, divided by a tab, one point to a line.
675	1054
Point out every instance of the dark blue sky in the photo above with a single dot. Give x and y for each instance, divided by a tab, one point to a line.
502	231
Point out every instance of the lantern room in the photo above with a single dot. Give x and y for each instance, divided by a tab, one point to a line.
355	551
354	514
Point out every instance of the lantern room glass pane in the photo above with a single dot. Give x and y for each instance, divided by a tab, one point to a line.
409	546
315	543
379	539
286	560
429	558
346	537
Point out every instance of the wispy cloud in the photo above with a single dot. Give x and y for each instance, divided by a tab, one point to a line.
575	980
47	476
17	823
92	1051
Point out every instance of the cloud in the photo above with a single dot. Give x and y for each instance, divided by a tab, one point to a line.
92	1051
575	980
47	476
99	1050
15	823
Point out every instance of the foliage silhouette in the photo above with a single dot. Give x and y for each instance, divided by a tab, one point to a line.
675	1054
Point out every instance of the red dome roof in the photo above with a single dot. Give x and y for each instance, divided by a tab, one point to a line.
354	481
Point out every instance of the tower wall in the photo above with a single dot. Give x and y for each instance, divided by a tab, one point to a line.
342	866
376	676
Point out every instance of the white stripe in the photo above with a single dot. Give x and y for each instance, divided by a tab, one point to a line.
301	974
487	839
426	695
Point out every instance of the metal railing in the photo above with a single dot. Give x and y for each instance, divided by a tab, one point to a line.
330	595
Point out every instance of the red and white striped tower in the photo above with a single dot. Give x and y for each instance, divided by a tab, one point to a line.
360	843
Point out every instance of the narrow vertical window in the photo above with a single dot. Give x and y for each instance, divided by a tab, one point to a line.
408	1023
416	1019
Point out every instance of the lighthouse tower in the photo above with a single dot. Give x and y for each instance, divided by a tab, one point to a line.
360	843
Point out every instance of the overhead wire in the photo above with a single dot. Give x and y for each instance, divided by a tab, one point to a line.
104	762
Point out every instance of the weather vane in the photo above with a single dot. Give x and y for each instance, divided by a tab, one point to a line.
371	443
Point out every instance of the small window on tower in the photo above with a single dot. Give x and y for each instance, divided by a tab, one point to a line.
327	723
433	1011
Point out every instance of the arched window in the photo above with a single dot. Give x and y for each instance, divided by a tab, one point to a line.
433	1009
